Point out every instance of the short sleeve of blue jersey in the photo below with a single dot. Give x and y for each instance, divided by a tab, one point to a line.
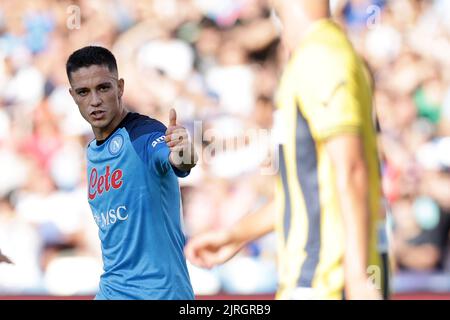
148	138
159	156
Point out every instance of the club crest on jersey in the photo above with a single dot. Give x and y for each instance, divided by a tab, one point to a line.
115	145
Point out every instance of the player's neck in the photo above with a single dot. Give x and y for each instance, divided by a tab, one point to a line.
103	133
294	39
298	17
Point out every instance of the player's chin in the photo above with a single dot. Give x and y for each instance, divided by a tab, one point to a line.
99	123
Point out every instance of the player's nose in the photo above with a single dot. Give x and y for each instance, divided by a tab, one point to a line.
95	100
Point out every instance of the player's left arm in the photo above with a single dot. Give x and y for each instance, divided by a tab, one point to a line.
351	179
182	152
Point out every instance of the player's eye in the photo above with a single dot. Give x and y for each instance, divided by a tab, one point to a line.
104	88
82	93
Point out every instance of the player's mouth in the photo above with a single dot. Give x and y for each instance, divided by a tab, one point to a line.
97	114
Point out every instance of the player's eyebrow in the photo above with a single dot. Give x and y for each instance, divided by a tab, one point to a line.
103	84
106	83
80	89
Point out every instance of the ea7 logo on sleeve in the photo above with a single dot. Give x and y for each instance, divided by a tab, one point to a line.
100	183
159	140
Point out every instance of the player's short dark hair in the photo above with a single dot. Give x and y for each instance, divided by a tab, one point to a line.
88	56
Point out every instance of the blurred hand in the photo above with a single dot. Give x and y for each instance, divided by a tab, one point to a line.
4	258
211	248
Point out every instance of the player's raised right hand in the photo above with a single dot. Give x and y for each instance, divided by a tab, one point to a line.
209	249
182	151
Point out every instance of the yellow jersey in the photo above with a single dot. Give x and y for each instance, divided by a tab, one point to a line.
324	91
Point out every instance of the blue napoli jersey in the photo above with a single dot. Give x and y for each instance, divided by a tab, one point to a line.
135	199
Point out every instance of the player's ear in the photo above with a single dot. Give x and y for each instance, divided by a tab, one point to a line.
121	84
72	93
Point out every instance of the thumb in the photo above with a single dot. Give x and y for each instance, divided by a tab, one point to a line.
172	118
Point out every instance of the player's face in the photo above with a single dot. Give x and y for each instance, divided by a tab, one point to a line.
98	93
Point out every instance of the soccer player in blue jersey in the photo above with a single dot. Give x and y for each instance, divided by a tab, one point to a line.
133	167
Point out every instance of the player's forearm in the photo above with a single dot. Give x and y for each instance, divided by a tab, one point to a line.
254	225
351	178
353	195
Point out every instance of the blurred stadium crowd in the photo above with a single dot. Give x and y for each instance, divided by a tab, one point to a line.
218	62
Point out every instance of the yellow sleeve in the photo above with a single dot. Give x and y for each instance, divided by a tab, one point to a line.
327	93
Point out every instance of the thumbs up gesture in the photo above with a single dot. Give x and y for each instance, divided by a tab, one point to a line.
182	153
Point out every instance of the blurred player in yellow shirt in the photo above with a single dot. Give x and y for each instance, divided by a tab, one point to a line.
328	198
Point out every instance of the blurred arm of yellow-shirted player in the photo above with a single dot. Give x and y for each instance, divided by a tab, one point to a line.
212	248
346	153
